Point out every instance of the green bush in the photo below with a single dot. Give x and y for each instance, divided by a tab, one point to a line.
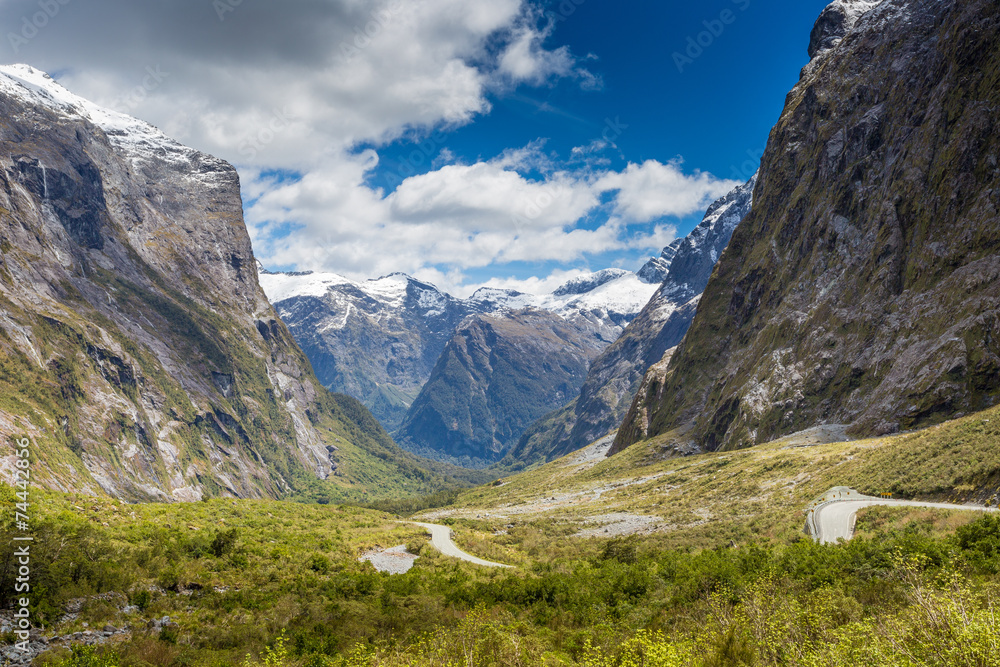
224	542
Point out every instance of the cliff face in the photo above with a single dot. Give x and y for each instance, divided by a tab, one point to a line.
377	341
139	353
615	375
863	286
495	377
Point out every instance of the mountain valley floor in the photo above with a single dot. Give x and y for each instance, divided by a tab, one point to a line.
718	572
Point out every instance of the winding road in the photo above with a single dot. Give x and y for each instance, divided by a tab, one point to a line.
832	517
441	540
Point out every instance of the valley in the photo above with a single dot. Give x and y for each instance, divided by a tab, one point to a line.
775	443
590	584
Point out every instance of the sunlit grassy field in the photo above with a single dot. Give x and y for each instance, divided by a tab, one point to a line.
718	571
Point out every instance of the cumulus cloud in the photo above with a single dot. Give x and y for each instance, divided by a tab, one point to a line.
340	71
526	59
464	216
652	190
289	91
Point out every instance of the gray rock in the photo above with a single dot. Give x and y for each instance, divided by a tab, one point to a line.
615	375
496	376
127	252
863	286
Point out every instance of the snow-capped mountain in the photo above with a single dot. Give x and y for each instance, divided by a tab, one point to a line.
139	141
615	375
378	340
864	286
657	268
146	361
696	254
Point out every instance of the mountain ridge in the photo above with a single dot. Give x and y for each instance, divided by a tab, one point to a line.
379	340
616	374
139	353
862	287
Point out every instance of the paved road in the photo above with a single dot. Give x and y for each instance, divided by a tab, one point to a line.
834	519
441	540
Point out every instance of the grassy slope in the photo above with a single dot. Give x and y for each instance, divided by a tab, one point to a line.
293	568
760	492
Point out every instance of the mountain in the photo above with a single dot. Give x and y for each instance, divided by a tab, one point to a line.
616	374
379	340
656	269
863	287
497	375
376	340
140	356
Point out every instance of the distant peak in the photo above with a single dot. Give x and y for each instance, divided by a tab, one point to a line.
590	282
494	291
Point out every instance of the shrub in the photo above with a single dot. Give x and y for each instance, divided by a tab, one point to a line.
224	542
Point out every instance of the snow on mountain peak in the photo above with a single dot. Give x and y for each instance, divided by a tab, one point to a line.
588	283
835	21
136	138
283	286
614	291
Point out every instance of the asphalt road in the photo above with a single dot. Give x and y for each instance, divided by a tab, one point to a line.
441	540
834	519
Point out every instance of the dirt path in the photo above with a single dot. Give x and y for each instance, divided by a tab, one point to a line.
441	540
834	516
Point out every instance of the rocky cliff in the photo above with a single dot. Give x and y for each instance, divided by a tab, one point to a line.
139	354
496	376
615	375
863	287
377	341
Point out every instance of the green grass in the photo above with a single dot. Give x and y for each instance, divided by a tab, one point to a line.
761	492
281	582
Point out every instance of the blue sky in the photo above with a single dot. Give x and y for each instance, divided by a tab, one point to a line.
514	143
714	111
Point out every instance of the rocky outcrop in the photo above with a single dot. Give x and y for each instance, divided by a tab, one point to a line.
496	376
615	375
864	285
835	22
657	268
140	356
637	421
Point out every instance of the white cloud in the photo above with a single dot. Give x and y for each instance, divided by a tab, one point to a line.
459	217
341	71
489	197
654	190
526	60
296	87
